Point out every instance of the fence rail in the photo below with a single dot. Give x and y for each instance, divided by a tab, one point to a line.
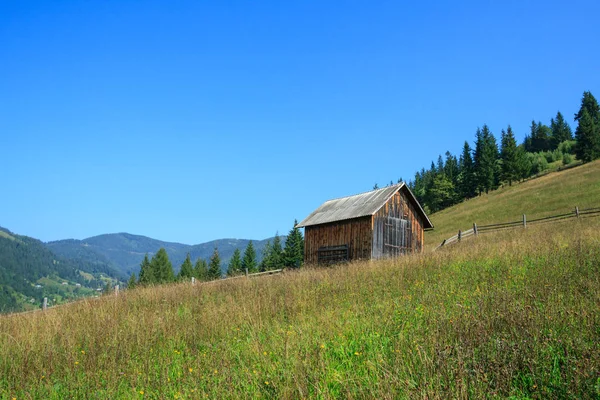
194	281
477	229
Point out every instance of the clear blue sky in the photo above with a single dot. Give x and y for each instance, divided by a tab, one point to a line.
190	121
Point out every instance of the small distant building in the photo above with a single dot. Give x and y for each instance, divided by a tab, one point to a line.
78	285
64	283
386	222
38	286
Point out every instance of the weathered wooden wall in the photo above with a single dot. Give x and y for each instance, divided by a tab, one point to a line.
398	206
364	236
356	233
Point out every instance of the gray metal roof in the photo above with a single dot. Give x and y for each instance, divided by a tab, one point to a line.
360	205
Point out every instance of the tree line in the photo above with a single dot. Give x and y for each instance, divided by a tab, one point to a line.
158	269
490	164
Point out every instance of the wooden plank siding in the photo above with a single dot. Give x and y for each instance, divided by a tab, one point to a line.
355	233
364	235
398	206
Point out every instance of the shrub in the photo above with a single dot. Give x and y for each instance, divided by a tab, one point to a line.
567	159
567	147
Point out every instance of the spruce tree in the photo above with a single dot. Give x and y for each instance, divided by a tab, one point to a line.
162	267
466	181
265	262
147	275
509	156
441	193
201	270
187	269
522	163
589	103
451	168
276	253
214	266
293	252
235	264
561	131
486	160
588	129
131	281
249	261
588	138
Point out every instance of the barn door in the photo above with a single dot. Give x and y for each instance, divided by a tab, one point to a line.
396	236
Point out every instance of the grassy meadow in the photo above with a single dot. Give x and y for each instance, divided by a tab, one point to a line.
511	314
551	194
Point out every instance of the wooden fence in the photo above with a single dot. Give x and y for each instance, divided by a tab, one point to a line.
194	281
523	222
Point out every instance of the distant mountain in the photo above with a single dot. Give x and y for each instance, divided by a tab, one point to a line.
30	271
125	252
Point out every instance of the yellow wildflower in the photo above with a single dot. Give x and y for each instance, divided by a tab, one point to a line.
191	370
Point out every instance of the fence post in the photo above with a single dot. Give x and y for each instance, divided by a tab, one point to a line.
246	272
459	235
524	221
577	211
116	290
193	281
45	304
474	228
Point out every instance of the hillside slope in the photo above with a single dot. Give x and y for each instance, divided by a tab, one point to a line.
29	271
551	194
504	316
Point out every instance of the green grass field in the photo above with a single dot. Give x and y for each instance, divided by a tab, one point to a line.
512	314
551	194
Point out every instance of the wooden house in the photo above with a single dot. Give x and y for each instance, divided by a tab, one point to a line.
386	222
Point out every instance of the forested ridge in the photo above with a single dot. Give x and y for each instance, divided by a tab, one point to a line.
24	261
491	163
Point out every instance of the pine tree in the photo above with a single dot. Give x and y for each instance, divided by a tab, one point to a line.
214	266
201	270
588	129
561	131
147	275
249	261
235	264
131	281
162	267
187	269
509	156
293	253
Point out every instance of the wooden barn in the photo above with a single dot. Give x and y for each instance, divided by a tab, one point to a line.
386	222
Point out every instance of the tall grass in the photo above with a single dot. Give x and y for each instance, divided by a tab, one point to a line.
513	314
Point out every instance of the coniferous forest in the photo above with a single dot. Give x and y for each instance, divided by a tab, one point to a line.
491	163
